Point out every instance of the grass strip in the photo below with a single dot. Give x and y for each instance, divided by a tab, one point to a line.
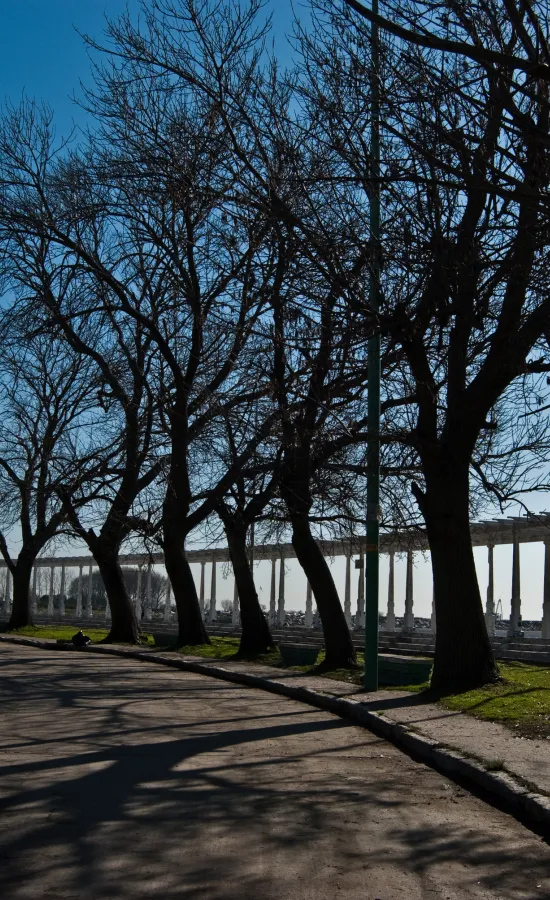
63	632
521	700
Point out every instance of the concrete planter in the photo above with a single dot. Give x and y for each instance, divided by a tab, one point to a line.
394	670
299	654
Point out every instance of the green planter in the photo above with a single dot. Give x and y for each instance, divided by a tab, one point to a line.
162	639
403	669
299	654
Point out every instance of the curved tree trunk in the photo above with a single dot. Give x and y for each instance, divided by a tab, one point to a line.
21	603
339	649
463	654
255	634
124	626
294	483
191	630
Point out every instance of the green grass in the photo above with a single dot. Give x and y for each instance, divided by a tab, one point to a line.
227	648
61	632
57	632
521	700
224	648
219	648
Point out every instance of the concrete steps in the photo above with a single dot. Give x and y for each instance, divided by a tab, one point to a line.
526	656
539	645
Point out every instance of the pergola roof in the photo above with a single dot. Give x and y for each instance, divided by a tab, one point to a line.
531	528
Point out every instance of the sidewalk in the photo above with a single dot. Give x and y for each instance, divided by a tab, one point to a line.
515	771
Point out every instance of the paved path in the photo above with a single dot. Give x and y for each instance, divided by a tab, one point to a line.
124	780
528	759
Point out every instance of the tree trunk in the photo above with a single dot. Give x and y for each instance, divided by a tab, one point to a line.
339	649
255	634
191	630
463	655
124	626
21	604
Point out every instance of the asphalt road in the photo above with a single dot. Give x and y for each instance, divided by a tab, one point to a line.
119	779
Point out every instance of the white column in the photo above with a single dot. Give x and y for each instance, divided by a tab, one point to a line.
50	595
408	621
201	594
147	613
34	599
546	593
490	605
309	607
137	598
235	610
107	608
89	608
212	612
79	594
273	594
251	550
168	604
62	592
390	616
515	612
347	592
281	611
8	592
360	618
433	618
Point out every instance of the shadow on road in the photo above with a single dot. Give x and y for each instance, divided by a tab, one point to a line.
121	782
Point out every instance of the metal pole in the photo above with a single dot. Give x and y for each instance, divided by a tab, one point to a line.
373	385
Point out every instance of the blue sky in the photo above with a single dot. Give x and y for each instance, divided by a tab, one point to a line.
42	54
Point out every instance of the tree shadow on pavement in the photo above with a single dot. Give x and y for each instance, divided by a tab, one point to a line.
131	783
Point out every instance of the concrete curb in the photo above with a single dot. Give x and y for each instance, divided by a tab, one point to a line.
531	807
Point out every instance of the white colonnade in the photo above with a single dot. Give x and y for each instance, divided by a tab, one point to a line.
513	532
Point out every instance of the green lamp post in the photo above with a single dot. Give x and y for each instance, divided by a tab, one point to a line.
373	385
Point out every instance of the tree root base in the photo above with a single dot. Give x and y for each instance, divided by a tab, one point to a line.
330	665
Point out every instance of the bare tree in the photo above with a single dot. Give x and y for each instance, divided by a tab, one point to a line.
465	289
171	260
239	509
134	586
54	297
47	413
123	363
282	180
